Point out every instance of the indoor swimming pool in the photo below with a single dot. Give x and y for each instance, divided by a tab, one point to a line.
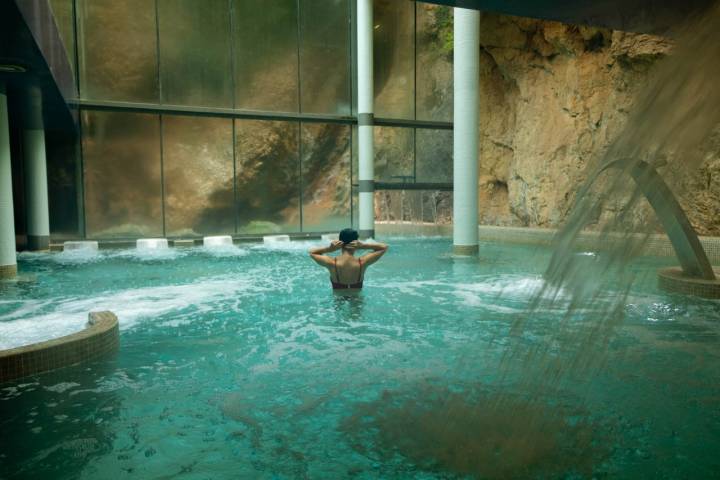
240	362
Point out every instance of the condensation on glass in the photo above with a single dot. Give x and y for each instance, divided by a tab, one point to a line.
195	61
434	57
325	57
325	176
123	193
268	176
265	36
117	50
64	20
434	155
394	58
198	175
394	154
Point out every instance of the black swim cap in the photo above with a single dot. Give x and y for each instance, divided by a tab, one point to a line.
348	235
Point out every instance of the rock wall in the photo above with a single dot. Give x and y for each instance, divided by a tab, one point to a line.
553	97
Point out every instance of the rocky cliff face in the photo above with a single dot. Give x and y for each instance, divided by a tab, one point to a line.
553	97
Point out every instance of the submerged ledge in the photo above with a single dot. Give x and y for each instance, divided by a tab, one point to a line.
100	338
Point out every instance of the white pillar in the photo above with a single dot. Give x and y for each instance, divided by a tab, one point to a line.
8	262
465	130
366	168
35	172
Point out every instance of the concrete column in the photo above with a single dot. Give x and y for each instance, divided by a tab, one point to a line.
465	130
8	262
36	192
366	155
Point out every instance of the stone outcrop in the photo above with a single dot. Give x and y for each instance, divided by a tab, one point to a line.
553	98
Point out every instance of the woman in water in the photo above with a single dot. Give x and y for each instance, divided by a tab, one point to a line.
346	271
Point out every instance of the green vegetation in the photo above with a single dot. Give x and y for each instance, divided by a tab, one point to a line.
443	28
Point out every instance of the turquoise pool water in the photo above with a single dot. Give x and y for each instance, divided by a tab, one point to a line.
241	363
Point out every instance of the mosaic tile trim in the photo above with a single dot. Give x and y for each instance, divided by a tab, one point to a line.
8	271
672	280
99	339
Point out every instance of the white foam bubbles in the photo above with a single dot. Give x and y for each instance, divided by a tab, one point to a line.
217	241
39	320
151	243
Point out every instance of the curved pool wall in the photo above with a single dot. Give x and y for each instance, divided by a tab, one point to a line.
673	279
99	339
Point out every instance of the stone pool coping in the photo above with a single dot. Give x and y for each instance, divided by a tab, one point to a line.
57	244
99	339
656	244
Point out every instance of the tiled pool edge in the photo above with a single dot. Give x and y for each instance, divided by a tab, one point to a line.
672	280
100	338
655	245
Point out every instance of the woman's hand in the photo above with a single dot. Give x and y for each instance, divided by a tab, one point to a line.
335	245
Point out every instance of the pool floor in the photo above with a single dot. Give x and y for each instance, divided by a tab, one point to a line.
242	363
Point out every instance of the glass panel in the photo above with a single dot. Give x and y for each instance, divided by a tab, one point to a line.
118	55
266	54
434	62
394	57
195	64
324	57
394	154
63	164
268	176
437	207
198	173
434	155
121	153
63	12
428	206
326	177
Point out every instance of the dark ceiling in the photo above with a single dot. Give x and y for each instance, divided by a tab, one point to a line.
30	39
647	16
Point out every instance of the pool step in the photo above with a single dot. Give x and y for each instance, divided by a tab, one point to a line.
218	241
80	245
151	243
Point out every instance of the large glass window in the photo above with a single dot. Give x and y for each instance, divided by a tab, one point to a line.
427	206
64	19
266	54
195	62
394	53
325	56
268	176
117	50
434	156
394	154
63	174
198	175
434	62
123	193
326	176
